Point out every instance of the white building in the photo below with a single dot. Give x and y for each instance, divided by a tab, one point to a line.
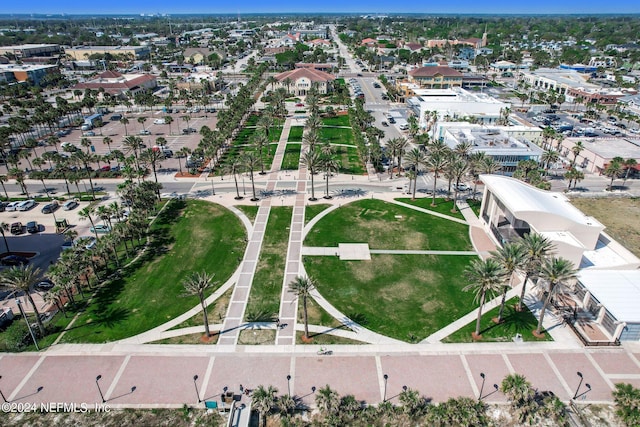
508	145
455	103
603	304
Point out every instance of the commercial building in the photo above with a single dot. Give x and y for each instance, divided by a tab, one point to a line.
31	50
508	145
601	307
85	52
453	104
299	81
599	152
26	73
118	84
435	77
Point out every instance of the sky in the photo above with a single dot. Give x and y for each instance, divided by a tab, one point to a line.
324	6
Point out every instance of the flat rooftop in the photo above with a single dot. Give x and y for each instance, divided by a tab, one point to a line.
608	148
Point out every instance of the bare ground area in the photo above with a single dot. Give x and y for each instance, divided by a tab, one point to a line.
620	216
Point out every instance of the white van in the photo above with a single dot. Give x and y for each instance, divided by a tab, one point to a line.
159	122
403	126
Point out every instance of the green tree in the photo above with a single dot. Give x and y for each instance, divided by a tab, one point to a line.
512	258
197	284
627	400
613	170
302	288
485	276
313	161
554	272
327	400
263	399
21	279
536	248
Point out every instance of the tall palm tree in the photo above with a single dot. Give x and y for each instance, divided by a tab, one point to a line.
197	284
233	168
517	389
613	170
512	258
263	399
327	400
416	159
485	276
125	122
555	272
458	168
3	227
86	213
21	279
536	248
577	148
251	161
628	164
436	162
313	161
302	287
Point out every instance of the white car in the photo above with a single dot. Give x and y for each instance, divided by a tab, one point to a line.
11	206
26	205
159	122
69	205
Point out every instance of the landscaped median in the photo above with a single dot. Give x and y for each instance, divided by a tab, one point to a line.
186	237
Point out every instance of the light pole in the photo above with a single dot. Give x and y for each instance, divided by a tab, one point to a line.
384	395
2	394
481	386
33	337
579	384
289	384
213	191
195	378
99	389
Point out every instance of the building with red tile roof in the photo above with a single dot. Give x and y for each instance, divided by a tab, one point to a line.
118	84
299	81
436	77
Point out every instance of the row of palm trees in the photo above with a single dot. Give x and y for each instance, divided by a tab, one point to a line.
531	256
527	404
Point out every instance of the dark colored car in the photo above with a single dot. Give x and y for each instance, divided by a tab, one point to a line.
45	285
2	206
33	227
16	228
187	131
14	260
116	117
50	207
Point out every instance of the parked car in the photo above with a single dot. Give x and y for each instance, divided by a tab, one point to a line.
26	205
44	285
100	228
14	260
299	104
90	133
187	131
16	228
11	206
116	117
144	132
462	187
158	122
89	242
33	227
385	124
50	207
2	206
69	205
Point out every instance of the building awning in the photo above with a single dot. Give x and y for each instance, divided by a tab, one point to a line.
617	290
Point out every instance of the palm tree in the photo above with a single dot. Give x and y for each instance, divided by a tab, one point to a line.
512	258
628	165
458	168
555	272
517	389
167	121
86	214
327	400
3	227
577	148
263	399
416	159
486	276
302	288
233	167
549	157
613	170
125	122
436	162
250	161
536	247
312	160
21	279
197	284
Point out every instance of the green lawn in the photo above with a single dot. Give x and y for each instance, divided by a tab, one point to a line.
522	322
336	121
311	211
249	210
407	297
387	226
264	299
192	236
336	135
475	206
350	162
274	133
295	134
291	158
443	206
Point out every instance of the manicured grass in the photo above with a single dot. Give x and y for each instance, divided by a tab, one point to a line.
407	297
384	225
311	211
274	133
336	121
443	206
215	312
252	120
264	299
475	206
187	236
295	134
318	339
291	158
249	210
515	322
336	135
349	160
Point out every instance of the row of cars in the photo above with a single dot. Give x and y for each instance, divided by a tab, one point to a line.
25	205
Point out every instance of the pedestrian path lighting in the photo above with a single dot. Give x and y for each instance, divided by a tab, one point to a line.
289	384
195	378
384	396
587	385
482	385
99	389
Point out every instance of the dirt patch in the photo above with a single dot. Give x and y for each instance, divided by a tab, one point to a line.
620	216
257	337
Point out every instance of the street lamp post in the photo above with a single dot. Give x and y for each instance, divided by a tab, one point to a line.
33	337
2	394
482	385
384	395
579	384
289	384
195	378
213	191
99	389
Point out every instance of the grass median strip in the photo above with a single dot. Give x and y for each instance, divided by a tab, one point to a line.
266	289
